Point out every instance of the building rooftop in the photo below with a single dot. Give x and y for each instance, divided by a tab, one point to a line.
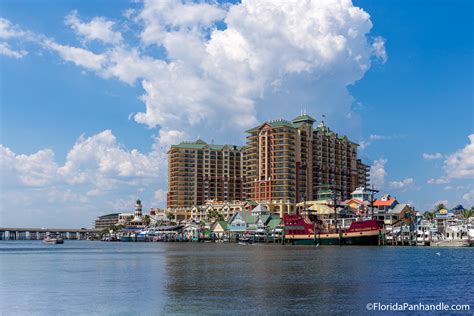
388	202
200	144
398	208
109	215
303	118
297	122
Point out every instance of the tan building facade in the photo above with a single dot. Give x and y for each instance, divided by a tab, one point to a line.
198	172
284	163
288	161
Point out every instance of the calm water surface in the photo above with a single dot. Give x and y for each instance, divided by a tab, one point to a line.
86	277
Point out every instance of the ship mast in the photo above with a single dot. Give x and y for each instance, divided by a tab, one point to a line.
372	192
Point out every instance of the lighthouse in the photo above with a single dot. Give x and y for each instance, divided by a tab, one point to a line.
138	212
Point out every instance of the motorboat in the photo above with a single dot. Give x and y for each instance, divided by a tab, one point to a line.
53	239
454	236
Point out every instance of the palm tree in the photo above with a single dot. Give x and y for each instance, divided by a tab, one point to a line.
440	206
429	215
466	214
146	220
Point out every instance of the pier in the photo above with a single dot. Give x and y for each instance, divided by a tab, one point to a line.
40	233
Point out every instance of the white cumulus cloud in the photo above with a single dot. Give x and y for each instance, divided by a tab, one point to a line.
460	165
402	185
378	173
167	138
79	56
264	58
99	28
37	169
100	157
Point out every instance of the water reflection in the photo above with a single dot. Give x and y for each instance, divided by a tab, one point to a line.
197	278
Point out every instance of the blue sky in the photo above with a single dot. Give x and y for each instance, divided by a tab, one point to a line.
396	77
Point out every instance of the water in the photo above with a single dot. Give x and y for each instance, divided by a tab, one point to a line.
86	277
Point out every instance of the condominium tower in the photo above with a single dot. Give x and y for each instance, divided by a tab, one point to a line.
198	172
290	161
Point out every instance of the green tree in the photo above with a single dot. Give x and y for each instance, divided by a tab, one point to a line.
440	206
146	220
213	214
429	215
170	216
466	214
117	227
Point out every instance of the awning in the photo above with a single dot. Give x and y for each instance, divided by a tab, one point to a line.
321	209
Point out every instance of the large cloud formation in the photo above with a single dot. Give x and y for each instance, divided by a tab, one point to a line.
230	60
96	170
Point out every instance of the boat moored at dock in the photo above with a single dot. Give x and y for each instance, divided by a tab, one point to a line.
301	230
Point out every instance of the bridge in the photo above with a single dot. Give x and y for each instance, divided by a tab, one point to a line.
40	233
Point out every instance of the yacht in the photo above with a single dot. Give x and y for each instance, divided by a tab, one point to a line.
423	233
455	235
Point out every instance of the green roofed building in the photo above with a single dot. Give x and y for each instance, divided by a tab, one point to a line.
288	161
283	163
198	172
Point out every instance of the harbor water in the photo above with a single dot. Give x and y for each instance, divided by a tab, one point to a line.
97	278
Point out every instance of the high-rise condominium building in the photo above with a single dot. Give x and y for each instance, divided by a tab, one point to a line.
198	172
289	161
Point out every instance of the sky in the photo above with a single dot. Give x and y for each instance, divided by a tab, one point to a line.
93	95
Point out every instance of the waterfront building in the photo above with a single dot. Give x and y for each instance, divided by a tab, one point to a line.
245	221
260	210
125	218
158	216
289	161
219	228
359	201
361	194
384	204
198	172
400	212
106	221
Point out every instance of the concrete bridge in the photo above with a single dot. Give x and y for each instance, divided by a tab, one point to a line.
40	233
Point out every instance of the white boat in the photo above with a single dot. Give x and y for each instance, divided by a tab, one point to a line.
423	233
454	236
470	232
53	239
